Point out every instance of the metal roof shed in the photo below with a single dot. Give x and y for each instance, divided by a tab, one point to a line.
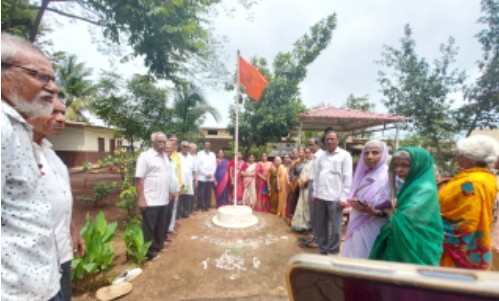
348	120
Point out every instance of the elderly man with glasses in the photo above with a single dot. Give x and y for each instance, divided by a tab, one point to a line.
153	177
30	269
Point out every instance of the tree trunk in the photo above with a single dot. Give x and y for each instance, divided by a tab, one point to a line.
440	155
34	30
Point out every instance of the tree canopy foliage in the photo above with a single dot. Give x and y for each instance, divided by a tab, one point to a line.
361	103
75	86
417	90
482	106
422	92
137	108
189	111
170	36
271	118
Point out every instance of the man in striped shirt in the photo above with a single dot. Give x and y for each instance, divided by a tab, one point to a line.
153	188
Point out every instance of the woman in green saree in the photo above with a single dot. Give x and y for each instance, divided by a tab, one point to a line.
414	233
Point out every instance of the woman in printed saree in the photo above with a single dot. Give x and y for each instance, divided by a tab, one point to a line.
282	181
294	178
221	180
301	217
467	201
369	197
232	174
414	232
494	266
262	189
272	185
248	171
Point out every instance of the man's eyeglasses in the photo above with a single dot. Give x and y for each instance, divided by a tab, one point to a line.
40	76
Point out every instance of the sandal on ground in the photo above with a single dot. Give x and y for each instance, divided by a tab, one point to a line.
127	275
310	245
112	292
305	239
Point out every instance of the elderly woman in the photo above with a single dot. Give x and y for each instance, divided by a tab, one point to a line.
466	202
414	233
495	228
369	196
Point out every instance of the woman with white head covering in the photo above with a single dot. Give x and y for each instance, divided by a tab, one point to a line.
369	195
466	202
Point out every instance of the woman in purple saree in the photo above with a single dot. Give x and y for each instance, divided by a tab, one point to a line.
369	197
221	180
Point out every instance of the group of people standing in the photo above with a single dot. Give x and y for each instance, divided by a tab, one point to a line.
402	212
38	237
172	184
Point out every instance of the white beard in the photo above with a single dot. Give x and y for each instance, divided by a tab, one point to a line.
37	107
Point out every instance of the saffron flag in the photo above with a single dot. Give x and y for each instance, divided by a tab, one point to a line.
252	79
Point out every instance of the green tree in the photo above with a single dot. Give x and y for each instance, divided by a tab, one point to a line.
75	86
359	103
16	19
137	108
171	36
276	113
482	106
190	108
419	91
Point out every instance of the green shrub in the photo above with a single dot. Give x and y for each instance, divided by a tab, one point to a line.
101	192
134	241
99	253
128	197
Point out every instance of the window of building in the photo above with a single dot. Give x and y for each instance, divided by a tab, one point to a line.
213	132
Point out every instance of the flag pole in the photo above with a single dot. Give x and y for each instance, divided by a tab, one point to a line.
236	144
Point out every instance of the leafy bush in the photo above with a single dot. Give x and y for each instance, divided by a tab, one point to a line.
123	162
99	253
134	241
101	192
128	201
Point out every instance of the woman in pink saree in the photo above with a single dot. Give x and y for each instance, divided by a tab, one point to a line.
222	180
248	171
262	189
369	196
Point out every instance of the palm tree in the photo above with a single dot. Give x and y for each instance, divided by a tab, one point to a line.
75	87
189	111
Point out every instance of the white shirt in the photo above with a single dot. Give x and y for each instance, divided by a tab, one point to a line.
154	169
174	183
316	155
333	175
206	165
55	178
188	167
30	270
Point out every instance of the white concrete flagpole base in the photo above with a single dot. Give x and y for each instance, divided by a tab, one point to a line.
236	217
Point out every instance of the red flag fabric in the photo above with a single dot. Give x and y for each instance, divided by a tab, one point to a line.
252	79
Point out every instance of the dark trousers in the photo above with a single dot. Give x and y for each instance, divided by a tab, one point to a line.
204	195
66	280
168	218
183	205
291	202
328	214
154	227
57	297
313	210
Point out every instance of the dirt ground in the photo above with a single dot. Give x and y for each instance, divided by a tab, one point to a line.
203	261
